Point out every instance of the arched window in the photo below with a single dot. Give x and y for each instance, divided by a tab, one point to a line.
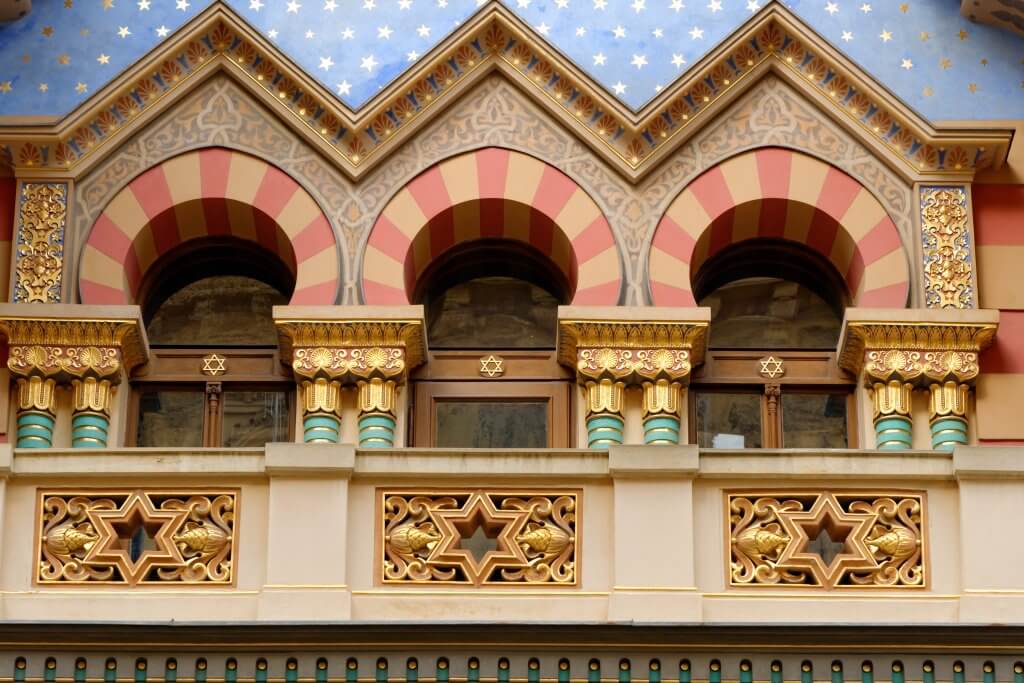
770	377
492	380
213	379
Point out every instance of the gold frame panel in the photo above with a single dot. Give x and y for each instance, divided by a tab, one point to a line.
537	544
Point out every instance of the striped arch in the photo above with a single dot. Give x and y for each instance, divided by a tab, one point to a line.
212	192
783	194
491	193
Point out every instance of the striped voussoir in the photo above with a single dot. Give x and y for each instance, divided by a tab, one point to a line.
491	193
781	194
211	192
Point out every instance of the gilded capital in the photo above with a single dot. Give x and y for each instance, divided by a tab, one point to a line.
68	349
626	345
346	345
924	347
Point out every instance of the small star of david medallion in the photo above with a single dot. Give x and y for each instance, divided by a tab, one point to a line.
213	365
771	367
492	366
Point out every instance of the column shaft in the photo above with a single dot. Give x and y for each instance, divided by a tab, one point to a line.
35	411
892	402
90	421
604	412
948	415
377	413
321	406
661	403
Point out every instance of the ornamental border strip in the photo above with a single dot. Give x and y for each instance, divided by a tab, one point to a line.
495	38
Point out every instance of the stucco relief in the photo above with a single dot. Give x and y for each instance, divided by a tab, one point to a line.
219	113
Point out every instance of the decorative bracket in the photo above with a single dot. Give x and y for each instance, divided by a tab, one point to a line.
898	351
372	349
613	347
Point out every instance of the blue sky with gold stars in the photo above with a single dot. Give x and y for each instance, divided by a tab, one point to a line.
934	59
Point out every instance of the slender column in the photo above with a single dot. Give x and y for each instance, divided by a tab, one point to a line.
377	413
321	410
90	422
662	400
35	411
948	415
605	424
892	405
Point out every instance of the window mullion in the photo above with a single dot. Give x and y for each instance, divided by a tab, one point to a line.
212	419
772	422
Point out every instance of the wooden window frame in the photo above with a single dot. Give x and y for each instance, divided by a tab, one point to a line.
807	372
178	369
527	376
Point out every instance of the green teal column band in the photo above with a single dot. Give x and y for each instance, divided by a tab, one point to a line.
35	429
89	430
321	428
776	672
893	433
376	430
661	430
604	430
948	433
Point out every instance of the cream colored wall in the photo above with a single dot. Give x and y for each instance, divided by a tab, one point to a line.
652	531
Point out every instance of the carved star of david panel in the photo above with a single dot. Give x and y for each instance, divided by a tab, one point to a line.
213	365
772	367
479	537
135	536
830	539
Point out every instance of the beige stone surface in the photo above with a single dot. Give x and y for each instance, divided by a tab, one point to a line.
652	530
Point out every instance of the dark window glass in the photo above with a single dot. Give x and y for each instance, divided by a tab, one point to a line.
221	310
254	418
492	424
728	420
770	313
492	313
170	418
813	420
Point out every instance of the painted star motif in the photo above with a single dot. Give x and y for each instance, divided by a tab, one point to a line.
182	5
600	4
6	87
543	29
47	31
715	6
123	31
423	31
272	34
143	5
851	529
847	36
43	87
677	6
599	59
831	8
347	33
464	523
562	4
108	4
368	63
412	56
657	33
886	36
326	63
330	6
580	31
404	4
907	64
384	32
103	59
344	88
310	35
772	367
213	365
753	6
255	5
865	8
696	33
619	88
639	61
639	6
114	525
678	61
293	7
162	31
619	32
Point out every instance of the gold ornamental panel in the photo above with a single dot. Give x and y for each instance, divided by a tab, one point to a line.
479	537
827	539
136	536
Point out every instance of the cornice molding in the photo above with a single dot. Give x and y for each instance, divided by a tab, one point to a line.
494	39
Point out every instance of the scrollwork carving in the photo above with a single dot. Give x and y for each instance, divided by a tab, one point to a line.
479	537
39	249
873	539
945	235
135	537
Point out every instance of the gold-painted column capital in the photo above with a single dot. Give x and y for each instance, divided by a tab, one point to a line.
915	346
351	344
67	343
630	344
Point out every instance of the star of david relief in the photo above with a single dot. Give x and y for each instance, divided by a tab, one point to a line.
831	539
213	365
492	366
772	367
479	537
136	536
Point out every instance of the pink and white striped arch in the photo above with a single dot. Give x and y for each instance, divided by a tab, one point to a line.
211	192
780	194
491	193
